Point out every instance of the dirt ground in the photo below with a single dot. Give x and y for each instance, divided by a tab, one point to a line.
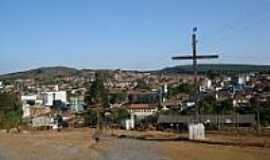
191	151
76	144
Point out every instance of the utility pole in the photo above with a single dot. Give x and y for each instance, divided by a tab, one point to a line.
258	107
195	57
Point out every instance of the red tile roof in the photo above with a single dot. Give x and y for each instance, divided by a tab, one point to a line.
141	106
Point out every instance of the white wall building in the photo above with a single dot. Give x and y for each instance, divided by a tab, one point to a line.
76	104
26	110
28	98
130	123
26	107
196	131
241	80
50	97
1	84
142	110
206	84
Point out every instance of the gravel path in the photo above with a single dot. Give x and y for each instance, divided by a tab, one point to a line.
130	149
3	153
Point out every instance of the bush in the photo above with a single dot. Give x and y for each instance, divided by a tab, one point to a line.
10	110
119	114
118	97
148	121
181	88
90	117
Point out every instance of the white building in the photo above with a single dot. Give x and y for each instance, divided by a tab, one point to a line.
248	78
26	111
26	98
130	123
241	80
56	88
196	131
206	85
33	98
142	110
26	107
227	79
76	104
50	97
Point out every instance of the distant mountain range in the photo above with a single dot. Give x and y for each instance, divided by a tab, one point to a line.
183	69
218	68
42	72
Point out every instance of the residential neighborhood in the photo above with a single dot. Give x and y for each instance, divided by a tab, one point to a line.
143	94
134	80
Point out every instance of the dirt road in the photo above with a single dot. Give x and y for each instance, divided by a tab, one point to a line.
75	144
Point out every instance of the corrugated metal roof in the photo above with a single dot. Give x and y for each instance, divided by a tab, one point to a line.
227	119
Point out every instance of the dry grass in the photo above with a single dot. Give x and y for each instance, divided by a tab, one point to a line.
50	145
191	151
76	144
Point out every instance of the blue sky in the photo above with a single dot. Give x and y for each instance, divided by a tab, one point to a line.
125	34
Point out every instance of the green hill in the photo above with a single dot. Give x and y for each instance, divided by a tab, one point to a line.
60	71
219	68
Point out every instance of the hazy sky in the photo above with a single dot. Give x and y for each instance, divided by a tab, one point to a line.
130	34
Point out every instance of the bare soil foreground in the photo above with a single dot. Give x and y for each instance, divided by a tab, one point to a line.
75	144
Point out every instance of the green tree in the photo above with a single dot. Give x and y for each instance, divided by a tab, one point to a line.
10	110
261	109
181	88
97	94
119	114
225	107
208	105
148	121
118	97
90	117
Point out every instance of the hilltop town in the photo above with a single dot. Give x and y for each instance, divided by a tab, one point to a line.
134	80
45	92
129	105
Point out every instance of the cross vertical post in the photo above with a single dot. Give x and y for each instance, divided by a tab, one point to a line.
194	49
194	58
194	53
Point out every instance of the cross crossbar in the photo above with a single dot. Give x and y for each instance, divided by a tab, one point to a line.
195	57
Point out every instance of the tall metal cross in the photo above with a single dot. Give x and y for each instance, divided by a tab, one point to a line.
195	58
